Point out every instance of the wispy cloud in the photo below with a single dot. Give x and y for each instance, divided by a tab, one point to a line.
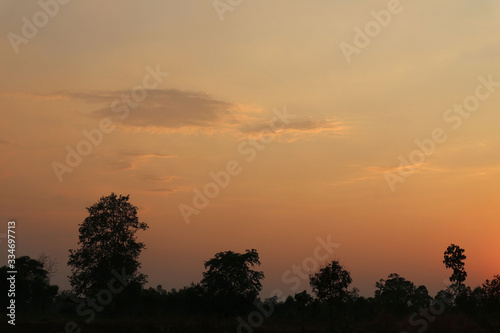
354	180
300	128
147	155
153	178
36	96
189	112
118	166
127	160
164	190
403	168
168	109
376	171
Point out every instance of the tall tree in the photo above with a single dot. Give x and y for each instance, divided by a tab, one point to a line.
454	258
330	284
107	242
230	280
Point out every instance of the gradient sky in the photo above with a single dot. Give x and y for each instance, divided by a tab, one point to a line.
322	174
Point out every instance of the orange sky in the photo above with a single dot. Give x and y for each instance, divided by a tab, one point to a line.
322	172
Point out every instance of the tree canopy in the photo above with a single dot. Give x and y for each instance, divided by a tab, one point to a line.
454	258
398	294
231	281
331	282
107	242
33	290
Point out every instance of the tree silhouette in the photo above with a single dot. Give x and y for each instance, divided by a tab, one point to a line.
492	294
107	243
230	282
33	291
49	264
454	258
398	295
421	298
330	284
302	299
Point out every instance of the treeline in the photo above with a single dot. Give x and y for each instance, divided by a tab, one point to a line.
108	292
228	293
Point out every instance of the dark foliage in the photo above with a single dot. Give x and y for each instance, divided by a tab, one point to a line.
107	242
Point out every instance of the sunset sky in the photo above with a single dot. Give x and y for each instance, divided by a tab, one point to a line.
324	171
